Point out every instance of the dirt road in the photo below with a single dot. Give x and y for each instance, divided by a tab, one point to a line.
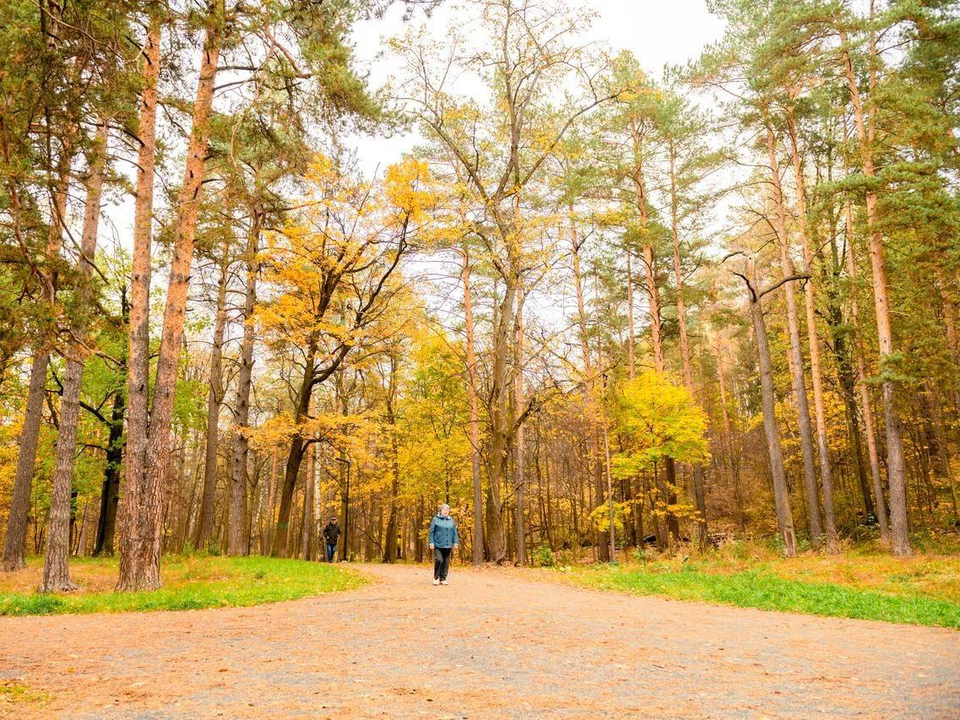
492	643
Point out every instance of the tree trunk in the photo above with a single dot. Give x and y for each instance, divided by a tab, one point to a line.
896	472
16	537
110	493
698	490
518	442
589	381
942	447
474	412
309	501
56	569
866	407
140	562
214	401
499	403
138	362
390	544
781	492
731	449
241	418
295	456
14	544
631	333
813	340
844	344
796	351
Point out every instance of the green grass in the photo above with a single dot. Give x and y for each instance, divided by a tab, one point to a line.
14	692
921	591
190	583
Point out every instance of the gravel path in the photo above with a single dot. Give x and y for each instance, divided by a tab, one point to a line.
492	643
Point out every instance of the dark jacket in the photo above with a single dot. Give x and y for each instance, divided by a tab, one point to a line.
443	532
331	533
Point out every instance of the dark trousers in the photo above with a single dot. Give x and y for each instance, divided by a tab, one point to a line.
331	551
441	563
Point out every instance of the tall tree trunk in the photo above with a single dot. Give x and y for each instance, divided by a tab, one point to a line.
866	407
844	347
796	351
309	533
110	492
942	447
474	412
390	543
241	417
896	471
140	558
138	362
14	544
589	381
499	403
950	322
813	340
698	489
731	448
518	448
56	570
295	455
214	401
631	332
668	491
781	492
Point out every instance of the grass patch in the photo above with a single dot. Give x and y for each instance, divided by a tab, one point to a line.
12	692
921	590
190	583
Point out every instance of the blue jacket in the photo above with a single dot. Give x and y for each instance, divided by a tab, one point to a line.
443	532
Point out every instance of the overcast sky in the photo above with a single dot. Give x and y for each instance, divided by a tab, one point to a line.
658	32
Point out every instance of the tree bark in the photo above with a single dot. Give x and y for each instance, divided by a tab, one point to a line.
138	362
295	456
796	352
390	543
518	448
631	332
781	492
214	401
110	492
866	407
499	405
589	381
14	545
140	562
241	418
896	471
56	569
474	412
731	449
813	340
308	532
698	488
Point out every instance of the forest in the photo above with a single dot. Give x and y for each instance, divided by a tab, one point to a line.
600	309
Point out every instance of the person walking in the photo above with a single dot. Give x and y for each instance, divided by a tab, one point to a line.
331	536
444	539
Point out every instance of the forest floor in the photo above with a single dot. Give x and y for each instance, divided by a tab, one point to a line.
501	642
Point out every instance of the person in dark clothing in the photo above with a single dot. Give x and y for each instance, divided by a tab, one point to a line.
331	536
444	539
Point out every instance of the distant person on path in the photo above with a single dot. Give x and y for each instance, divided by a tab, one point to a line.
444	539
331	536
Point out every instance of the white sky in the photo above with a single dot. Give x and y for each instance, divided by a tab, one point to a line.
658	32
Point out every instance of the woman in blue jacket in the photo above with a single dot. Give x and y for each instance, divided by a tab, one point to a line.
444	539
